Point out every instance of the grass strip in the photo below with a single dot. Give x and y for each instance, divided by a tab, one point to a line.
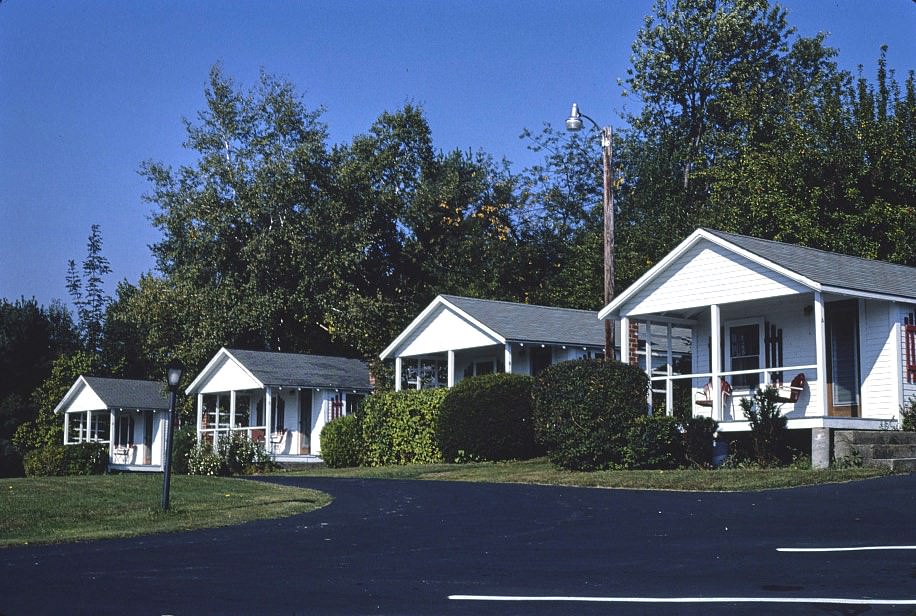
540	471
55	509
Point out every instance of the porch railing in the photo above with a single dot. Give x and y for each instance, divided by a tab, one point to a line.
767	373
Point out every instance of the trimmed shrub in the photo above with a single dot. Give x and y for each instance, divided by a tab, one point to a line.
488	417
183	441
908	413
202	460
47	461
235	454
86	459
769	434
341	442
654	442
583	410
399	427
58	460
698	441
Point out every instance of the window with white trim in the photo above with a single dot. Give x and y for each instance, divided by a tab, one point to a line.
742	352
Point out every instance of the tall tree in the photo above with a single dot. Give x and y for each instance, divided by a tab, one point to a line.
712	76
87	291
245	227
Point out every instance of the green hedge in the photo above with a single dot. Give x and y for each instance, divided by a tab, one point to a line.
57	460
583	410
488	418
698	441
341	442
654	442
399	427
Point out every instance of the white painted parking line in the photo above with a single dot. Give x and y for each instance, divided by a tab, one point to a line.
828	600
865	548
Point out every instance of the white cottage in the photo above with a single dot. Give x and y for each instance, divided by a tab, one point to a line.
281	399
764	312
129	415
458	337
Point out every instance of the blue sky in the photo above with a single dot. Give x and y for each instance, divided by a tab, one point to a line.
90	89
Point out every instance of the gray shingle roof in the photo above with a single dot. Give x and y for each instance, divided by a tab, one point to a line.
298	370
530	323
129	394
830	268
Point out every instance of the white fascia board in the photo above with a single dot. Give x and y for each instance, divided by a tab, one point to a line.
389	350
71	393
212	365
421	318
868	294
694	238
652	272
464	315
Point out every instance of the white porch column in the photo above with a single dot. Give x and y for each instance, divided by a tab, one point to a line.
625	340
419	380
669	384
268	410
649	363
111	432
231	409
66	427
715	323
268	419
820	345
508	358
87	431
451	369
200	417
397	374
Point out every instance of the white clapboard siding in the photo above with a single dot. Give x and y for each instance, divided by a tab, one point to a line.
86	400
707	273
445	330
228	376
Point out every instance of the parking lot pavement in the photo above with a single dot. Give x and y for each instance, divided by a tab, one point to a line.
400	547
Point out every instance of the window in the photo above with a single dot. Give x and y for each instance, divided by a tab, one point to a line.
278	413
744	353
431	372
355	403
124	431
483	366
242	410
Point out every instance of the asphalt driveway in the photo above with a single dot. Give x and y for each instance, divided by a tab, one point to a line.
401	547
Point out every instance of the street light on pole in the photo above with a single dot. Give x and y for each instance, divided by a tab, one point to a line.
173	377
573	124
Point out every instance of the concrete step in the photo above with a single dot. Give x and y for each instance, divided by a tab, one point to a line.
898	465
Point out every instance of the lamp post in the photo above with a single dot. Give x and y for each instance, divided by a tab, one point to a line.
173	377
573	124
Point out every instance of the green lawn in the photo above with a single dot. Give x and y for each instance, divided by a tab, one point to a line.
540	471
52	509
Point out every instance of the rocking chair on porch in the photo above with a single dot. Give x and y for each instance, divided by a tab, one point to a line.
792	392
706	399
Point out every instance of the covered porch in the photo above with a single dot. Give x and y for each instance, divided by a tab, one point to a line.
127	415
750	320
456	338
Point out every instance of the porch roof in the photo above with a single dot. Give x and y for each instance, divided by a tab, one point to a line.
831	269
290	370
819	270
120	393
514	322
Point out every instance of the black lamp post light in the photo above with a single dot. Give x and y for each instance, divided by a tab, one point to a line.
173	377
574	124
